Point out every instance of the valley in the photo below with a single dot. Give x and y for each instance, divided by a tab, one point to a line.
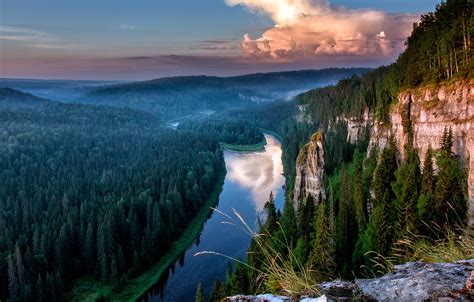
176	174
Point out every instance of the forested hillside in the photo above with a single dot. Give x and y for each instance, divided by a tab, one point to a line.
180	96
92	191
377	201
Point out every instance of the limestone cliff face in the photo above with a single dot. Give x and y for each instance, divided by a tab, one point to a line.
310	169
428	111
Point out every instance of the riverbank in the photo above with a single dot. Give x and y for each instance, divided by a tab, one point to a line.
90	289
245	148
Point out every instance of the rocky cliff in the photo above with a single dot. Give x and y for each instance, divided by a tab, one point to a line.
422	114
310	169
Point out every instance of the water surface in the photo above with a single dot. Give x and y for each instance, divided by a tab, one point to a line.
250	179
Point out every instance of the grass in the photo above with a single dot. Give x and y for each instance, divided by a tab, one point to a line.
245	148
282	272
91	289
453	246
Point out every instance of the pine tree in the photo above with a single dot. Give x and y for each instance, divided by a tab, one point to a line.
407	189
289	224
450	202
39	289
346	224
447	141
380	233
13	284
240	280
200	293
384	175
20	267
218	291
101	252
271	223
359	203
305	217
332	217
228	279
114	275
426	199
323	252
89	248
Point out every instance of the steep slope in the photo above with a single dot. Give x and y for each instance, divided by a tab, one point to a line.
421	115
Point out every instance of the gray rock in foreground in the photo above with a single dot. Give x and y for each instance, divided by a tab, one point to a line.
413	282
418	281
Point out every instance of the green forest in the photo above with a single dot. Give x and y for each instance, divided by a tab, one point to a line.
377	202
103	189
88	191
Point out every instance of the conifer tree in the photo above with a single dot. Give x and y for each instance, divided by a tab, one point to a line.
200	293
289	223
217	292
240	280
13	283
380	233
114	274
425	202
450	202
346	224
359	202
228	278
271	223
323	252
384	174
447	141
39	289
406	189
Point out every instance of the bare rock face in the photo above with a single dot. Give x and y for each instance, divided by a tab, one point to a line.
310	169
429	111
418	281
422	114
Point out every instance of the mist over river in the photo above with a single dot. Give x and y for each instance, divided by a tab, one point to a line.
250	179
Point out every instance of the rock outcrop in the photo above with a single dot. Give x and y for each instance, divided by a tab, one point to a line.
413	281
271	298
428	111
418	281
422	114
310	170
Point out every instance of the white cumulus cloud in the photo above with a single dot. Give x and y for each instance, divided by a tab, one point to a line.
311	28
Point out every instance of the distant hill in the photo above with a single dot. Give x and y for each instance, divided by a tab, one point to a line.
58	90
17	106
178	96
10	98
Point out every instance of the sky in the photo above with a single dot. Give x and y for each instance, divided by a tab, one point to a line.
145	39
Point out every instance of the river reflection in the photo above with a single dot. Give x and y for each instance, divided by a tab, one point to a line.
261	173
250	179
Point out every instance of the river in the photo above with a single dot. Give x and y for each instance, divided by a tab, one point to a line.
250	179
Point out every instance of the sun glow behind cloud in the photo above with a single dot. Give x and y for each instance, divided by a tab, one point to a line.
307	29
128	42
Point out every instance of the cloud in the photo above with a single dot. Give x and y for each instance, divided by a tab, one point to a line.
215	45
33	38
307	29
24	34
